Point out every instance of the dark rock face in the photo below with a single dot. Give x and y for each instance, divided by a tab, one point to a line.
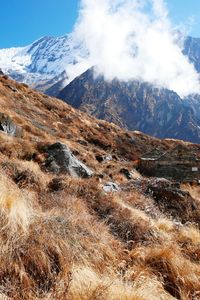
174	201
192	50
61	160
135	106
193	102
55	85
179	163
9	127
168	197
1	72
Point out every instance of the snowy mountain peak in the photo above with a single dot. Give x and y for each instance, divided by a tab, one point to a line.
51	60
43	60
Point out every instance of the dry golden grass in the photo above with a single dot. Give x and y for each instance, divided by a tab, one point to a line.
87	284
63	238
59	249
194	190
16	212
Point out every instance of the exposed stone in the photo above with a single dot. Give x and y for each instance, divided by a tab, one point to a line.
61	160
103	158
12	88
111	187
99	158
180	164
126	172
56	184
82	142
171	199
100	176
1	73
8	126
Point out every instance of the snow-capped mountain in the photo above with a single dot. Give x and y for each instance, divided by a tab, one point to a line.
50	63
45	62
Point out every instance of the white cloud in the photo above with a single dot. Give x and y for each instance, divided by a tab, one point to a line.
134	39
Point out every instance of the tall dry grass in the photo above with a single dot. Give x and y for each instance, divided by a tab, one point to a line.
63	238
73	241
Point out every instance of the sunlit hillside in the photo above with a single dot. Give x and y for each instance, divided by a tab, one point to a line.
97	229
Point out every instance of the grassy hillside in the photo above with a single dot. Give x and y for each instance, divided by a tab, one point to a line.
64	237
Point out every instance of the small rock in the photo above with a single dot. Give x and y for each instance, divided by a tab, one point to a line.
61	160
101	158
111	187
126	172
56	184
12	88
8	126
108	158
82	142
132	140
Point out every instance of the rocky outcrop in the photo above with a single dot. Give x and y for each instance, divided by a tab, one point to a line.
8	126
61	160
1	72
172	200
178	164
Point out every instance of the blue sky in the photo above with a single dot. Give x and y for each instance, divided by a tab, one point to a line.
186	12
23	21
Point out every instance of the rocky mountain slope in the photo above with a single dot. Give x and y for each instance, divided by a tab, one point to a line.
136	106
78	221
192	50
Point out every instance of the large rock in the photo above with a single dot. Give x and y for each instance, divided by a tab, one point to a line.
8	126
1	72
174	201
61	160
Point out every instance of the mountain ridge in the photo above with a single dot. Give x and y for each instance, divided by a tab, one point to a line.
134	105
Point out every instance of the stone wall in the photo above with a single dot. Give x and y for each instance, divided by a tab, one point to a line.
188	171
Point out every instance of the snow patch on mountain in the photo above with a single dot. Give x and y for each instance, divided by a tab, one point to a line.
16	59
45	59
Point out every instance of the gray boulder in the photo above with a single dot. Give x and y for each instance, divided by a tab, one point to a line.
61	160
111	187
9	127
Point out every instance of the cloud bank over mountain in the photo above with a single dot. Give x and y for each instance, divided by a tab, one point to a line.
134	40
